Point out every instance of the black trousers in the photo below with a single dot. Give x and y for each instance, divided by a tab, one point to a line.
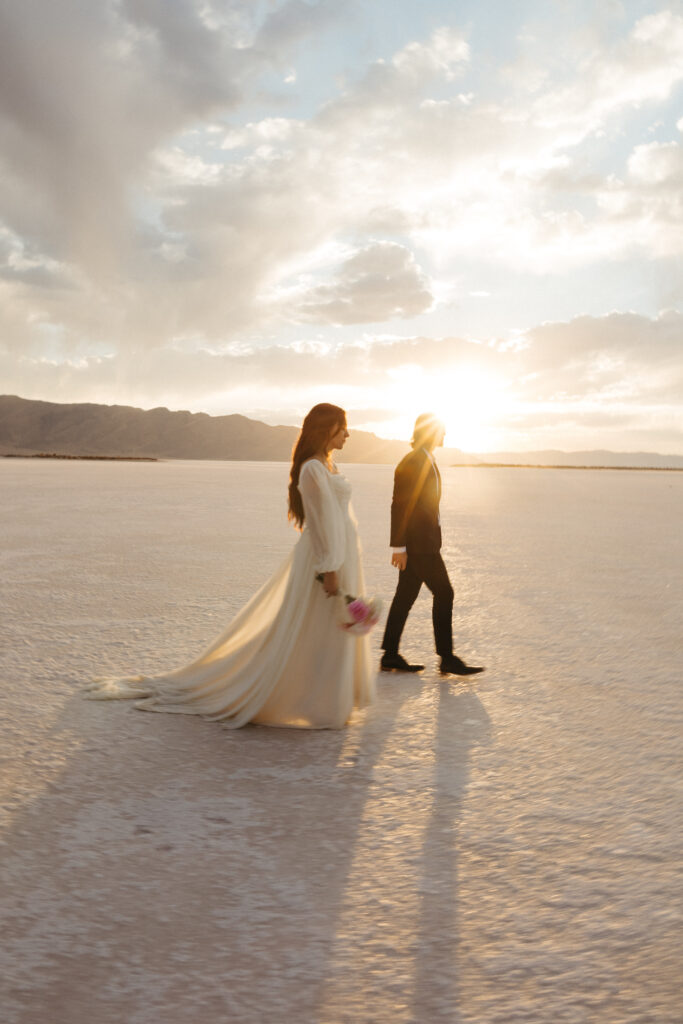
430	570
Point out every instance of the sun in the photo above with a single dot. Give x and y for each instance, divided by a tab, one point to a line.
471	403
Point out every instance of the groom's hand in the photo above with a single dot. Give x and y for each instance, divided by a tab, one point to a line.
400	560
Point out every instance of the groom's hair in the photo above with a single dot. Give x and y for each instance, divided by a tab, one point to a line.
426	430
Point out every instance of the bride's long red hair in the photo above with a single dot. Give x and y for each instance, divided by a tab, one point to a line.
320	424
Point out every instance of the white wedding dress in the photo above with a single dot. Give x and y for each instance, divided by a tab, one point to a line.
283	661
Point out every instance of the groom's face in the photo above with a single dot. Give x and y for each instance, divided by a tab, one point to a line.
437	437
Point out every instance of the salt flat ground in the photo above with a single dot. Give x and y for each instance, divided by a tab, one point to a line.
499	851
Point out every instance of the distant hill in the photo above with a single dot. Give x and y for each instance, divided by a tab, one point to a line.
28	427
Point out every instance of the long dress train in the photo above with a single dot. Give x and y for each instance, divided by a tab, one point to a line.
283	661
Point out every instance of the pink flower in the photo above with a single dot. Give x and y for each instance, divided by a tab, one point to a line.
358	610
359	614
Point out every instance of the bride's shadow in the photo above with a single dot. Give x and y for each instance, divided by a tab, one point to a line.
221	866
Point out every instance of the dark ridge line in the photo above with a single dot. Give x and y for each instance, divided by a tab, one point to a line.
92	458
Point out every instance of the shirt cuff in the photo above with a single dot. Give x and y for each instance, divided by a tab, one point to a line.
399	551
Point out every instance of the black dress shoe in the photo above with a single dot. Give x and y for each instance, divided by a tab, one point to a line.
453	665
396	663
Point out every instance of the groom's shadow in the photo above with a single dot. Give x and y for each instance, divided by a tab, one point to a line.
428	960
462	725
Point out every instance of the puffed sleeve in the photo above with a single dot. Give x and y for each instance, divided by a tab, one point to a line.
323	517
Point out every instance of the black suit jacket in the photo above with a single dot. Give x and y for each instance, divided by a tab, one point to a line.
415	505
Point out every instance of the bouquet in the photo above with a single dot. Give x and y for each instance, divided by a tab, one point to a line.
360	613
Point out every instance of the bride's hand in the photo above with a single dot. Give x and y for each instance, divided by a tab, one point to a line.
330	583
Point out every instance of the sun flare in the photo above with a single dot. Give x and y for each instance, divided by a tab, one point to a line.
470	402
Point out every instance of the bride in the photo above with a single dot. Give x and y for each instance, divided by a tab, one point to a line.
284	661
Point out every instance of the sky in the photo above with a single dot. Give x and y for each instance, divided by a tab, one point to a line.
471	208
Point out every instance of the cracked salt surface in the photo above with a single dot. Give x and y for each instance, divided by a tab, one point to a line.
506	850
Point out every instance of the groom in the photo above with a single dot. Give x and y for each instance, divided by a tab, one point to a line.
416	543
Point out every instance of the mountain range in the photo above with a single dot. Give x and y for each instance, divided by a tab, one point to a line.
30	427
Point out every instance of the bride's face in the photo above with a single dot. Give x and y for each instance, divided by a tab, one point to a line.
338	438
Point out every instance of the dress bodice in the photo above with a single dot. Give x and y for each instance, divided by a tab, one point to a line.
342	489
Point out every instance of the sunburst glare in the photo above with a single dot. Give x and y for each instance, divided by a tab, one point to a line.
470	401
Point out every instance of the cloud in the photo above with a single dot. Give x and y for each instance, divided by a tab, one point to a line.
89	92
379	282
645	209
161	203
219	217
643	67
606	381
444	54
657	164
76	134
622	346
294	21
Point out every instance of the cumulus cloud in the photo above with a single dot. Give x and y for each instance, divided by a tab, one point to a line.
88	93
379	282
444	54
657	163
643	67
656	342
